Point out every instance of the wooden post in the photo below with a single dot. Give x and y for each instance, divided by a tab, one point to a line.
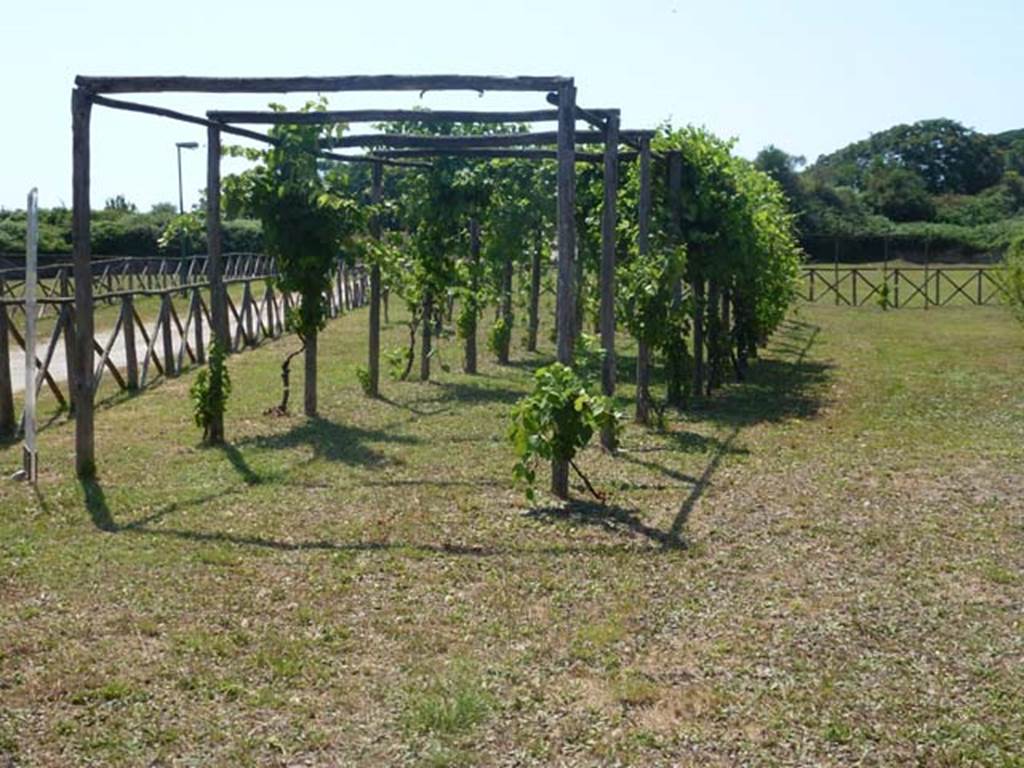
835	268
469	358
131	357
536	265
565	308
427	327
643	354
374	351
7	423
927	276
66	314
81	383
309	400
506	307
607	306
168	341
197	326
218	303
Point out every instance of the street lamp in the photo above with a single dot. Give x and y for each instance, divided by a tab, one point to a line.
181	195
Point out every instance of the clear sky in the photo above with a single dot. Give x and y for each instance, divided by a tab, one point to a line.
806	75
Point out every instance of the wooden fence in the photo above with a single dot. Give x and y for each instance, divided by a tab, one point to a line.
135	351
901	287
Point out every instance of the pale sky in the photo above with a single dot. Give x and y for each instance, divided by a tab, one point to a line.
806	75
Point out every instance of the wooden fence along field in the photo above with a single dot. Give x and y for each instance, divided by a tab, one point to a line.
901	287
177	291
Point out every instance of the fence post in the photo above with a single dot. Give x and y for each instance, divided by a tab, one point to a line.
835	269
197	317
7	426
131	357
167	340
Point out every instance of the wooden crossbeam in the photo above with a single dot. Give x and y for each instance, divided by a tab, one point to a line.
148	109
137	84
431	116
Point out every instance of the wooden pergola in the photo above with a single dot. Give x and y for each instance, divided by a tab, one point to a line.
387	149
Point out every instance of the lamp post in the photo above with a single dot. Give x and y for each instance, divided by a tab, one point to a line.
181	195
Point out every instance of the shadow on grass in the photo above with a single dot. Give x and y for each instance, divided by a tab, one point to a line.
345	444
249	476
777	388
96	503
610	517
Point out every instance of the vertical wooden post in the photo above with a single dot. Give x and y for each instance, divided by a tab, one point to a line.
607	306
168	342
643	354
131	357
66	314
927	274
218	304
565	308
374	351
425	338
536	265
835	268
81	383
197	327
507	269
7	424
309	383
469	361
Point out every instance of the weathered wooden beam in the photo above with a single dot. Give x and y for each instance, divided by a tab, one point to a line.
643	245
218	299
607	289
7	423
81	249
565	309
148	109
426	116
138	84
488	141
511	154
376	195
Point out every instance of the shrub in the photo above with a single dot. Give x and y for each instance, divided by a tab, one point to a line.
556	421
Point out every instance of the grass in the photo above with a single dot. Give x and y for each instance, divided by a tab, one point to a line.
821	566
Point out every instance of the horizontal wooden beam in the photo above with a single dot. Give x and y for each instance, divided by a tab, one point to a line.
520	154
322	84
493	140
148	109
431	116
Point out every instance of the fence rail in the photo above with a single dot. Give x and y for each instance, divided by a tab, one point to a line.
136	351
902	287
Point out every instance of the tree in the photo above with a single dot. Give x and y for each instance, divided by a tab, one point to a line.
785	169
898	193
307	227
118	203
947	156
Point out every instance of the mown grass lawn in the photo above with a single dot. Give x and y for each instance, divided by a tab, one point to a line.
822	566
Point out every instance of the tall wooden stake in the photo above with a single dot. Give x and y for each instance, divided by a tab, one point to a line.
643	354
565	309
374	351
82	380
469	357
535	267
218	300
607	308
